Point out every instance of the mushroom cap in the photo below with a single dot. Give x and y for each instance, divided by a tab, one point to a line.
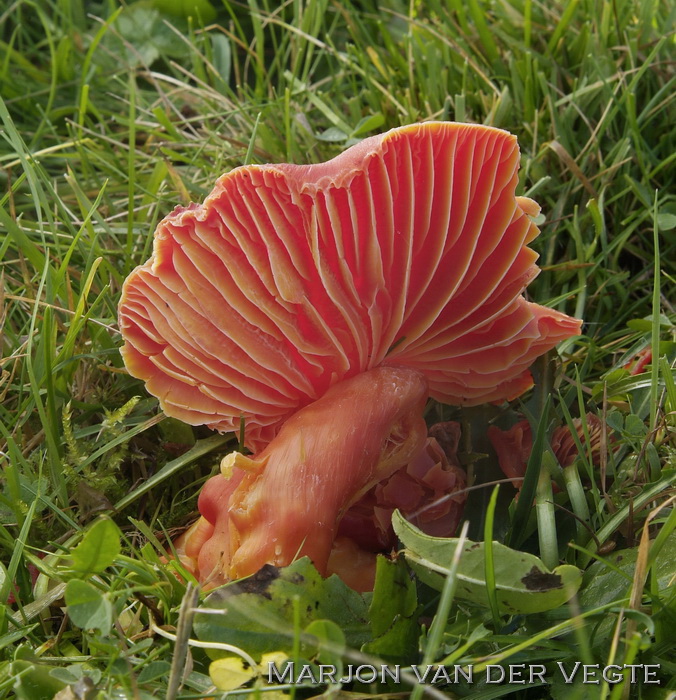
409	248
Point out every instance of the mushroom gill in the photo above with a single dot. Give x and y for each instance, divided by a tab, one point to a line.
324	303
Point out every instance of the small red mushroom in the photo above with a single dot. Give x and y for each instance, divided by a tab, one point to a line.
639	362
514	446
324	304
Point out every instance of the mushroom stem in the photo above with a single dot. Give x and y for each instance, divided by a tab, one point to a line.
288	500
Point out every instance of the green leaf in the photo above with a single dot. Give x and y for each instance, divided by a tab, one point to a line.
99	547
370	123
88	608
201	9
634	426
523	584
393	612
332	135
644	325
153	671
666	221
610	580
615	420
5	583
34	681
143	27
259	611
222	55
174	430
330	642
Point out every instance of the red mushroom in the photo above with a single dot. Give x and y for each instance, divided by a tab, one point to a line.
324	304
514	446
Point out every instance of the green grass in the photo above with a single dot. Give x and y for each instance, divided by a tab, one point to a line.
112	115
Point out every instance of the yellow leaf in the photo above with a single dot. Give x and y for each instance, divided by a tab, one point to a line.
230	673
275	657
375	59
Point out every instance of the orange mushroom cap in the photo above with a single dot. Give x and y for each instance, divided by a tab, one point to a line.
324	303
408	249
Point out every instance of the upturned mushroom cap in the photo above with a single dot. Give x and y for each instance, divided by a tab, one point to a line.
409	249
